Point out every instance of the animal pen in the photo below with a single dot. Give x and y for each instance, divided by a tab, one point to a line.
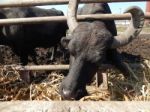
42	90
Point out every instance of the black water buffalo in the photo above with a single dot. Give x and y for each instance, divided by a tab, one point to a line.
94	43
23	38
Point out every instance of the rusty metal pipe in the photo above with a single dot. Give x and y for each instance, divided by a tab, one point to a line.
25	3
34	20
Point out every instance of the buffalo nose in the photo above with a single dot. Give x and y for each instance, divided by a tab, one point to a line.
66	94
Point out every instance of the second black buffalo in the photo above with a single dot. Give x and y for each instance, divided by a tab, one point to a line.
23	38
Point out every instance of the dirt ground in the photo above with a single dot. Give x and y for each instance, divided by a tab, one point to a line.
139	47
45	85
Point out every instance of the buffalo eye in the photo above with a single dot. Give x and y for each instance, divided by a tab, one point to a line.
65	42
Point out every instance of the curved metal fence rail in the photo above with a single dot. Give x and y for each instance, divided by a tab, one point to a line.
37	67
63	18
24	3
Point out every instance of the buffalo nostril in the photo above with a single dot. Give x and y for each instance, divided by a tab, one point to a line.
66	94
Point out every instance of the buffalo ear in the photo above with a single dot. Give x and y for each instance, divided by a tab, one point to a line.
65	41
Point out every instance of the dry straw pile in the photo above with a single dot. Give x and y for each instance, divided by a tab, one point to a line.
47	88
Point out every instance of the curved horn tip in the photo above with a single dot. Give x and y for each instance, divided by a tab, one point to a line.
135	27
137	14
133	9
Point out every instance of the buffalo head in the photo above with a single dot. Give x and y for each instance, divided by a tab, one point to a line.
88	47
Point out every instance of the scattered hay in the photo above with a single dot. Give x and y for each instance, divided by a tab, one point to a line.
47	88
131	90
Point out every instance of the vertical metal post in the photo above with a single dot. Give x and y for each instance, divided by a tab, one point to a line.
147	22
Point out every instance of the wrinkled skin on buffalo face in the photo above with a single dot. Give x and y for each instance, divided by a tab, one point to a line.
90	47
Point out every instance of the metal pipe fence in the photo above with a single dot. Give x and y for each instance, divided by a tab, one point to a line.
24	3
35	20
